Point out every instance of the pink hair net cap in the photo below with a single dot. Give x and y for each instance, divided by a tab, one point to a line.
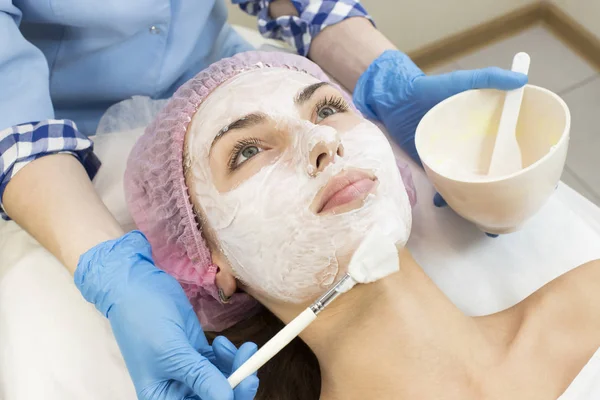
157	195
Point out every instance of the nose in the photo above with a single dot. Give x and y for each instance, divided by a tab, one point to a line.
323	154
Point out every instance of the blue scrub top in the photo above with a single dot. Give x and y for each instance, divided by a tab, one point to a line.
101	52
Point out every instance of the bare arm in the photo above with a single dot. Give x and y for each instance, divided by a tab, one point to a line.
53	199
344	50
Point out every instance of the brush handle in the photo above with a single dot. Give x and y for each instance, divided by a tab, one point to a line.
272	347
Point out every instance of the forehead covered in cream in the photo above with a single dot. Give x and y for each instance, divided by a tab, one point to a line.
270	91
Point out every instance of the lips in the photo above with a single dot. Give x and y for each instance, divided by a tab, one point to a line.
345	188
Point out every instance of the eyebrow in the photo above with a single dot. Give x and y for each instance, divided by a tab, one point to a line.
253	119
307	93
246	121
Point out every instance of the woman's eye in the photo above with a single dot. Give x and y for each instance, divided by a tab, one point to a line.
325	112
247	153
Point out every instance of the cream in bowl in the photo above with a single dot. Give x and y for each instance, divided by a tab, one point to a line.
455	141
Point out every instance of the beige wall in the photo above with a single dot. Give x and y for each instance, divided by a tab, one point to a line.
412	24
238	17
586	12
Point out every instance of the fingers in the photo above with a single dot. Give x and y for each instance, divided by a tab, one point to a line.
446	85
439	201
197	338
173	390
496	78
224	353
247	388
193	329
204	378
230	358
243	354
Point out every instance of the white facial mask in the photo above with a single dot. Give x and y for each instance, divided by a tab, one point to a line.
276	245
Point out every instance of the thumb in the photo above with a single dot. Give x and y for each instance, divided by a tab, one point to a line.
205	379
247	388
225	352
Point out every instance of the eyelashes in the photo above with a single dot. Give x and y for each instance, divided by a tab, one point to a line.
237	150
336	102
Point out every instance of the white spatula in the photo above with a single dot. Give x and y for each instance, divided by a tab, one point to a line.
506	158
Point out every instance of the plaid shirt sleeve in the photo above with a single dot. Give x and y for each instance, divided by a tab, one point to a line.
21	144
314	16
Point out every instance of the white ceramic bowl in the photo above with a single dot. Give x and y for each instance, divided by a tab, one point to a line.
455	141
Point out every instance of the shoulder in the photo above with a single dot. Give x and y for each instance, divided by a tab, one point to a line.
582	282
559	330
570	304
578	288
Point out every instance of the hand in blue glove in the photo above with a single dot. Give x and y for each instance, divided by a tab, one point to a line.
396	92
164	347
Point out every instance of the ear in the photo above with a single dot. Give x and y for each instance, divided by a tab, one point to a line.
224	278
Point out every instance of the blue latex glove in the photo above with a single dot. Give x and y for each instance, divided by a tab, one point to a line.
396	92
164	347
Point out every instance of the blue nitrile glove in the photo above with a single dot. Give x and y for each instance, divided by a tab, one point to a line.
396	92
164	347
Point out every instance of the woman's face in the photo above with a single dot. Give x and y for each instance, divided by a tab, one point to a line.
289	179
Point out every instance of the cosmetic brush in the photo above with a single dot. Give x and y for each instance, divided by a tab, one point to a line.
376	257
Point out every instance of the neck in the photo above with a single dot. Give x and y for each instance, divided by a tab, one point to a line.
400	334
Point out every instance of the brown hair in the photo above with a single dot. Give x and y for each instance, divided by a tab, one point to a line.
293	374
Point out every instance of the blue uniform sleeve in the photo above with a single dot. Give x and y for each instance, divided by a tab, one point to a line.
24	97
23	73
313	17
